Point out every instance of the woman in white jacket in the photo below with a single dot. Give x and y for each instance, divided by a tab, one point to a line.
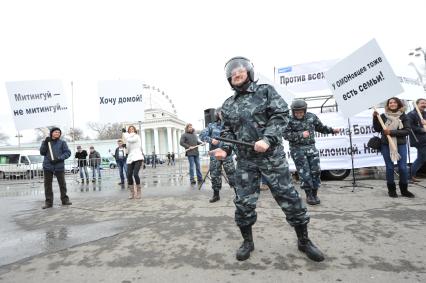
134	162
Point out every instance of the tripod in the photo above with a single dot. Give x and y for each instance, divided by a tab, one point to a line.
354	183
207	176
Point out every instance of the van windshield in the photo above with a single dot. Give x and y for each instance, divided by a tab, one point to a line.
35	159
9	158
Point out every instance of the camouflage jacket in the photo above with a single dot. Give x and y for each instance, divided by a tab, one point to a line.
258	113
212	131
310	122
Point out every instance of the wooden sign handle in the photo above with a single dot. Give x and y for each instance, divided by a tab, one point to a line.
420	115
390	140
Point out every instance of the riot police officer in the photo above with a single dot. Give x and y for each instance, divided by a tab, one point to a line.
300	132
257	114
209	135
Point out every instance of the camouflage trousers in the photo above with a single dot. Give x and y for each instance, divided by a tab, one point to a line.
216	172
277	175
307	161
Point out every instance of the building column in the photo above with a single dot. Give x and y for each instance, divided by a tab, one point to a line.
156	144
143	141
174	140
169	140
179	148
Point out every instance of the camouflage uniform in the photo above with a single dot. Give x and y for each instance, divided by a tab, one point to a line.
213	131
260	113
303	150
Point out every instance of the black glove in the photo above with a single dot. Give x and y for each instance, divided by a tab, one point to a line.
123	130
124	145
55	161
48	139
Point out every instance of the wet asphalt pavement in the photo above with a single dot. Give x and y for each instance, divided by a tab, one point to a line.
174	233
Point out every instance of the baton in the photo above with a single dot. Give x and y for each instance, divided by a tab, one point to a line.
195	147
235	141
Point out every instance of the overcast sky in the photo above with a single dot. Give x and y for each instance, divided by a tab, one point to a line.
182	46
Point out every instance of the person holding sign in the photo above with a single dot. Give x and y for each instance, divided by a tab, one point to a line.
257	115
134	162
394	127
55	151
417	121
300	132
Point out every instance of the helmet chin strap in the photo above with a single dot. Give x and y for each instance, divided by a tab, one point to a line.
243	87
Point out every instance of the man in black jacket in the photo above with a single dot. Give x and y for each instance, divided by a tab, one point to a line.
81	156
418	136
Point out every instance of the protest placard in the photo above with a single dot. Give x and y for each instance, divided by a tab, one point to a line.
303	77
362	79
121	100
38	104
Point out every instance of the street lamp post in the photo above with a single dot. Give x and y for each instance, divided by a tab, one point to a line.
202	127
19	136
419	49
417	53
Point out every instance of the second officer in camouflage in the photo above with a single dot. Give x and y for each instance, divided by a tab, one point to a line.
257	114
208	135
300	132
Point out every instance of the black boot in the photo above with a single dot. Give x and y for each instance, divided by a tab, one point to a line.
392	190
47	205
315	194
310	199
305	245
215	197
243	252
404	191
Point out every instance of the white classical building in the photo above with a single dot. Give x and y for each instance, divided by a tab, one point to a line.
161	128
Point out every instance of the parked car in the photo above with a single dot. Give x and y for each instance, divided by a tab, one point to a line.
148	160
71	167
20	163
108	162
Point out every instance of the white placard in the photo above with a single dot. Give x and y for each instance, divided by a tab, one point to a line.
38	104
304	77
121	100
363	79
335	148
287	95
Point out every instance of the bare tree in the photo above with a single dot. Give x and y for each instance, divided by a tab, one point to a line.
106	131
75	133
40	133
3	138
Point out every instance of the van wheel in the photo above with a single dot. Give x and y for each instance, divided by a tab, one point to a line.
112	166
335	174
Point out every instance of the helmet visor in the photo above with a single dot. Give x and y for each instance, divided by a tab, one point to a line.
236	66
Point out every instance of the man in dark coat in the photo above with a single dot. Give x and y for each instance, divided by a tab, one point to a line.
55	151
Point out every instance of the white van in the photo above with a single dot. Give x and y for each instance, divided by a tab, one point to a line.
20	163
